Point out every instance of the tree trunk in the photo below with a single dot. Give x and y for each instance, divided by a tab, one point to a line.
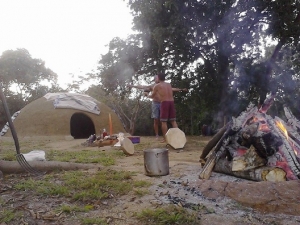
11	167
263	173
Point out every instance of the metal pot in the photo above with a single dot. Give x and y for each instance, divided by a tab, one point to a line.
156	162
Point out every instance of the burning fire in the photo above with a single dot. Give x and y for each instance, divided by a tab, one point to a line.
263	126
285	132
282	128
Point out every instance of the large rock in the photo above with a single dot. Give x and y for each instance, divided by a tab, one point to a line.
266	197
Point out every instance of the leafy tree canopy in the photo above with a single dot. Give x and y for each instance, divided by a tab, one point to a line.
220	50
25	76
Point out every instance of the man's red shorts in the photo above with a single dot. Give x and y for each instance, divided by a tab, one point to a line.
167	111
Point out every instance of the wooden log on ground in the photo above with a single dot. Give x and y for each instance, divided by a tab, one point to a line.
247	161
263	173
12	167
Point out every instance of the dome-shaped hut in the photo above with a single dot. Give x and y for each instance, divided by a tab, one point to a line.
65	114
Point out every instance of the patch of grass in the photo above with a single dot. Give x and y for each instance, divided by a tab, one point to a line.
141	183
142	146
88	221
43	187
85	156
74	208
119	154
167	215
7	216
141	192
8	155
7	144
78	186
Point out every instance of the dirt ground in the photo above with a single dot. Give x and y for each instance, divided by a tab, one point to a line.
184	168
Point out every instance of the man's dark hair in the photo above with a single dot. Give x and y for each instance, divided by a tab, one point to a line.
161	76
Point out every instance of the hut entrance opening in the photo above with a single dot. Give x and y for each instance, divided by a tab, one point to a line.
81	126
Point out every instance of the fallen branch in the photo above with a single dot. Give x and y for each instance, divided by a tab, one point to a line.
10	167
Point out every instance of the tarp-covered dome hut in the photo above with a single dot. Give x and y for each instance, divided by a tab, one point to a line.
65	114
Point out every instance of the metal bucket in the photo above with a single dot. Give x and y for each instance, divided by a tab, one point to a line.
156	162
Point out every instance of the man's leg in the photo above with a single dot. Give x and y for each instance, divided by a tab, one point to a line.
156	125
164	129
155	115
172	115
174	123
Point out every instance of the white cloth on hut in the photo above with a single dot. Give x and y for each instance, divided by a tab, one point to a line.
73	101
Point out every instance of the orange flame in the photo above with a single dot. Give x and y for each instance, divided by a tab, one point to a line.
264	127
282	128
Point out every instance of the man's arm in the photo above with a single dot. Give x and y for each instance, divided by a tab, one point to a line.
154	92
143	87
179	89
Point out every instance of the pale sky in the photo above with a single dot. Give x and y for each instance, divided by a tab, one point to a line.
69	35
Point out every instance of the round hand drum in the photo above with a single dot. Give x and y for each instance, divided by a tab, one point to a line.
127	146
175	138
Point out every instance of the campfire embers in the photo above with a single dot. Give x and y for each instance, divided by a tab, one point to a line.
257	132
253	143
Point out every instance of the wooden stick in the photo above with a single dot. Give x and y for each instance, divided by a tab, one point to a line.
208	167
110	125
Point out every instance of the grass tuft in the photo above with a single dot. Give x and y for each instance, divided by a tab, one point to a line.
170	215
86	156
91	221
7	216
78	186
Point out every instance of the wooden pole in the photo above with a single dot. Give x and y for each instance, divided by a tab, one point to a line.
110	125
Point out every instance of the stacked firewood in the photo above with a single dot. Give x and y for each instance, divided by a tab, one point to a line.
255	146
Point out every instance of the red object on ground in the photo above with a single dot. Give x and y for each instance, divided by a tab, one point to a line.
104	134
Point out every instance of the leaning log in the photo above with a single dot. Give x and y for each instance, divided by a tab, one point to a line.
215	154
263	173
212	143
11	167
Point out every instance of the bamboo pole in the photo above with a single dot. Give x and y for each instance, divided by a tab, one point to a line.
110	125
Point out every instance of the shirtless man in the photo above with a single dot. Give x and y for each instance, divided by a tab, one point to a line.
164	92
155	108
